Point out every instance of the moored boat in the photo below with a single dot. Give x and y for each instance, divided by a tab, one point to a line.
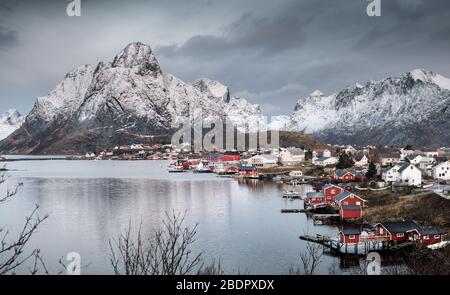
291	194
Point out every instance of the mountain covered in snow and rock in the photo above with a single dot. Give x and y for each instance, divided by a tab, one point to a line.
126	100
130	99
413	108
10	122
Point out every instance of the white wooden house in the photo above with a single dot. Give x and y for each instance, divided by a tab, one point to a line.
442	171
263	161
404	174
325	161
362	162
291	156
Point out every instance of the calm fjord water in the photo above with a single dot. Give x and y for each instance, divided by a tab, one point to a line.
91	202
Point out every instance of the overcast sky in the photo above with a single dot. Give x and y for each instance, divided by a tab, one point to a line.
271	52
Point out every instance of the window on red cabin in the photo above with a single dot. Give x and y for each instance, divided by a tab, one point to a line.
400	235
437	236
351	237
346	203
333	191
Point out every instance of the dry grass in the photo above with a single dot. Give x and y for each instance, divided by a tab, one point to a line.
427	209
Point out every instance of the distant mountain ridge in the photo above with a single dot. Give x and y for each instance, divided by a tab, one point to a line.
410	109
130	99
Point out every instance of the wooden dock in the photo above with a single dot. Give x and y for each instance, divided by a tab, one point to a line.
294	210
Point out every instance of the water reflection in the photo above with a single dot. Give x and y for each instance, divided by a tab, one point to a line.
239	220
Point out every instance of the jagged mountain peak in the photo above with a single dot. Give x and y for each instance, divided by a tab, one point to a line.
139	56
212	89
429	77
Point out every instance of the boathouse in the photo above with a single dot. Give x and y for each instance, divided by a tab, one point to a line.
347	198
349	235
315	198
330	191
431	235
350	212
399	230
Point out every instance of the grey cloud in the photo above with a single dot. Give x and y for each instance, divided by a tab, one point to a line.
263	35
273	52
8	38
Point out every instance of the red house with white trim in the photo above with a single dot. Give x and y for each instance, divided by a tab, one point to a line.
349	235
330	191
349	199
342	175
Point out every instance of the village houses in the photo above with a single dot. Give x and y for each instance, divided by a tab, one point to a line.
389	159
317	153
403	174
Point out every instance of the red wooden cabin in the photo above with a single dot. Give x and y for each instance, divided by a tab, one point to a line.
349	199
399	231
350	235
350	212
330	191
342	175
315	198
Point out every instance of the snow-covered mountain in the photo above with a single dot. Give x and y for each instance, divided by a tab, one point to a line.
10	122
410	109
117	101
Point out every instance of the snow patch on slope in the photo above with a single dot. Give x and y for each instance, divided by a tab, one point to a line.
10	122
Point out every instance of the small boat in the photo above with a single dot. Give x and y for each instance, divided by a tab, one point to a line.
175	169
202	168
427	185
291	194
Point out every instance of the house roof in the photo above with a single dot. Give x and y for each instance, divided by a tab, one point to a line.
343	195
315	195
400	226
404	167
296	151
350	231
341	172
331	185
268	157
351	208
430	230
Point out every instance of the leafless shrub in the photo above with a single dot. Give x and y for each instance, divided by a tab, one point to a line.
310	260
12	252
166	252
